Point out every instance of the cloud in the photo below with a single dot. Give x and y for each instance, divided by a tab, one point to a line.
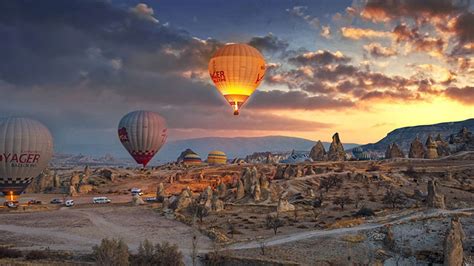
377	50
463	95
325	32
415	41
318	58
269	43
383	11
278	99
300	11
144	12
360	33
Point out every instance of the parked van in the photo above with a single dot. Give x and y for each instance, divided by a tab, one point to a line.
69	203
100	200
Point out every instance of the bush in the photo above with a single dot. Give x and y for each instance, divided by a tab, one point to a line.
274	222
365	212
111	252
160	255
37	255
9	253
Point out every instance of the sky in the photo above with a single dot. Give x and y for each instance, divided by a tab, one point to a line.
360	68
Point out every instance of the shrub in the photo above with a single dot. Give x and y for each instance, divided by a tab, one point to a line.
9	253
159	255
274	222
111	252
365	212
37	255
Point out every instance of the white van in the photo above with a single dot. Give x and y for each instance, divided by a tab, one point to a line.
100	200
69	203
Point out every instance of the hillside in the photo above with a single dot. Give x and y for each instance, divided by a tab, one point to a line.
405	135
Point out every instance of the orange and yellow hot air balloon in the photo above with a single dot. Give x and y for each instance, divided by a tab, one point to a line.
237	70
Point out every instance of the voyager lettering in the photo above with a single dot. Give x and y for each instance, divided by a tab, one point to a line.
23	158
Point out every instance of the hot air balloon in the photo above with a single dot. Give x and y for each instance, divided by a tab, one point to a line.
192	159
142	133
26	147
237	70
216	157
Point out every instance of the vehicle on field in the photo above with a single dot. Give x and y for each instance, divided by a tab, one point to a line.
100	200
56	201
69	203
34	202
136	191
11	204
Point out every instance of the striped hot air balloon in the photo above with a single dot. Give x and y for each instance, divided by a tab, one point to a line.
237	70
142	133
216	157
26	147
192	159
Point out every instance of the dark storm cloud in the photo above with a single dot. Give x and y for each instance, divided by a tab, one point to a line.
464	27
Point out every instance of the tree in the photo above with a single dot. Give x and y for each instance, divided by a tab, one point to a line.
357	199
342	201
394	198
111	252
331	181
160	255
198	210
274	222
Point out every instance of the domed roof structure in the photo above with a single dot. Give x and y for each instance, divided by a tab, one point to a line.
217	157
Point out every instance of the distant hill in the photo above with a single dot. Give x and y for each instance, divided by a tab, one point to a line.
405	135
238	147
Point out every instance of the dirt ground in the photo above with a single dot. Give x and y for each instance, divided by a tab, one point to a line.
79	229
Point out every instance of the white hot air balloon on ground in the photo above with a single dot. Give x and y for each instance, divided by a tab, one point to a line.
26	147
142	133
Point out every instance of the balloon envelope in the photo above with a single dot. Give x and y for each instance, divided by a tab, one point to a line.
142	133
26	147
237	70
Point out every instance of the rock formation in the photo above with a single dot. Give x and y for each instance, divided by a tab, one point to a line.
107	174
431	148
264	183
433	199
453	249
217	205
72	191
318	153
137	200
285	206
43	182
221	190
442	146
309	171
183	201
240	194
256	193
416	149
393	151
160	192
462	141
336	150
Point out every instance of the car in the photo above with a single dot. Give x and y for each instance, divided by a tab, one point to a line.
69	203
56	201
34	202
100	200
11	204
136	191
150	199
